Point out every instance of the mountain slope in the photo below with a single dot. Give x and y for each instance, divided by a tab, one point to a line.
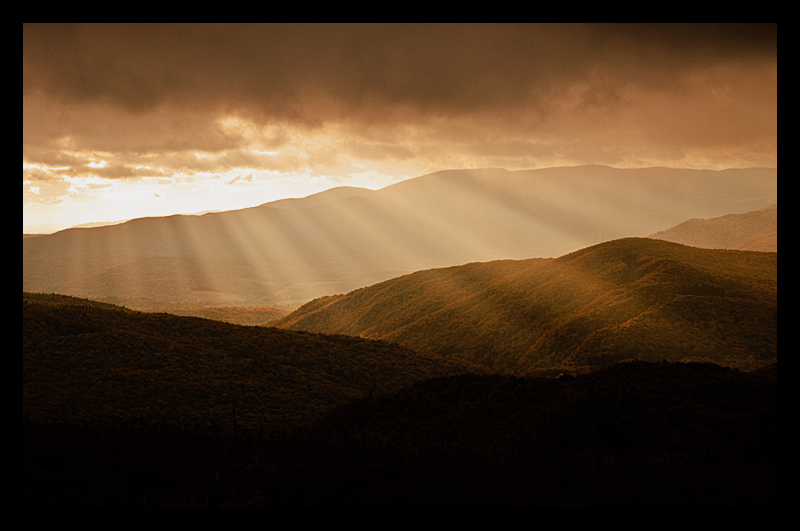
634	435
295	250
86	361
630	298
752	231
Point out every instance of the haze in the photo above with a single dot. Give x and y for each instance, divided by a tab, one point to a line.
126	121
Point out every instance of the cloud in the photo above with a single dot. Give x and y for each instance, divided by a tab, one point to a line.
385	92
282	69
52	124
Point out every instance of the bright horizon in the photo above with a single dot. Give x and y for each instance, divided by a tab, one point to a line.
170	211
128	121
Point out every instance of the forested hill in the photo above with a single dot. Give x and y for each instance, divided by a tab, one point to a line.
84	361
616	413
631	298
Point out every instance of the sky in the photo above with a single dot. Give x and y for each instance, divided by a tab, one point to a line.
126	121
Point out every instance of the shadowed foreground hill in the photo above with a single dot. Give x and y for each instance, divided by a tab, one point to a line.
630	298
241	315
634	435
636	409
84	361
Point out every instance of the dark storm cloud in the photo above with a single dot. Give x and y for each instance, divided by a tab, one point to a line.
320	72
211	98
49	124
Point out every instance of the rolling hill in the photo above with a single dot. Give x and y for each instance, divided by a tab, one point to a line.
631	298
752	231
291	251
84	361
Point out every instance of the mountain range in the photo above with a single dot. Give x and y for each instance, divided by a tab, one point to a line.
291	251
385	395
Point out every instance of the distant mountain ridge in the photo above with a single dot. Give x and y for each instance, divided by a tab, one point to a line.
751	231
632	298
292	251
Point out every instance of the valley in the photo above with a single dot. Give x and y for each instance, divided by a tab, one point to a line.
632	359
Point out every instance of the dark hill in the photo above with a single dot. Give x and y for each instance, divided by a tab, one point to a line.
292	251
631	408
84	361
241	315
631	298
634	435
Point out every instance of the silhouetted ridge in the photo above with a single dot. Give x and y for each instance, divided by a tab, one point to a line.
634	435
634	411
89	362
